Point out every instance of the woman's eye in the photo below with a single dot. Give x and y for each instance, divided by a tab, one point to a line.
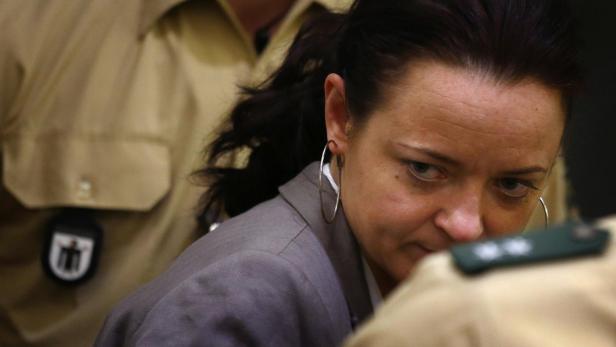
514	188
425	172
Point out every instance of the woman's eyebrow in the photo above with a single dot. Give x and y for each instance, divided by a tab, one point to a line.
526	171
445	159
431	153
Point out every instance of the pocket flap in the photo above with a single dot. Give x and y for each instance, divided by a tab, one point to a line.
55	171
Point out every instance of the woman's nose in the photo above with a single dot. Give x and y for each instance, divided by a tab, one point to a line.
462	219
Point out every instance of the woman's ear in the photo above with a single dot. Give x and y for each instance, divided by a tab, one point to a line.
337	118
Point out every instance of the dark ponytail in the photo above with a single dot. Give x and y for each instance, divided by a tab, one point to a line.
281	123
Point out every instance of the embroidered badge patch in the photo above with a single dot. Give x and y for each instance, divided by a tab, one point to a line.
72	248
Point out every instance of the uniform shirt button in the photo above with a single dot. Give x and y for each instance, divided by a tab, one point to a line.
84	189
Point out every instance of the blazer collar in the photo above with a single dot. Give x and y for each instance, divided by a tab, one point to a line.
337	239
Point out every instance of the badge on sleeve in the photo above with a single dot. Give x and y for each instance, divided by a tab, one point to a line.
72	246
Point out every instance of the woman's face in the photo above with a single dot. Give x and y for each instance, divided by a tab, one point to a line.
449	156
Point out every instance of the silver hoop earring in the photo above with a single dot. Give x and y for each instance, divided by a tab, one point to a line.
329	220
546	214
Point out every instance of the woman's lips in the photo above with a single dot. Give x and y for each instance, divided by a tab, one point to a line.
421	249
425	249
430	248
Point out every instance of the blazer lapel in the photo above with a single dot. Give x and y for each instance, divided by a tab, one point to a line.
339	243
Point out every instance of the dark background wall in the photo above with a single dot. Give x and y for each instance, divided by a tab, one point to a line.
591	153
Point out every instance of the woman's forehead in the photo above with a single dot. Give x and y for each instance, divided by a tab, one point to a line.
440	84
462	113
437	95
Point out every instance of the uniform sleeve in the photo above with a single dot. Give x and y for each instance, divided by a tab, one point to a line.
10	75
252	299
11	72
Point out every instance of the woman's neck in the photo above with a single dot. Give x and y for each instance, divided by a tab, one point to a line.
385	282
335	172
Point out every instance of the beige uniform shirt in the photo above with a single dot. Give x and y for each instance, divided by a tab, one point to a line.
568	303
107	105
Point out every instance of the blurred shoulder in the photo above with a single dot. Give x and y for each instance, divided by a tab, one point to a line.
567	248
525	290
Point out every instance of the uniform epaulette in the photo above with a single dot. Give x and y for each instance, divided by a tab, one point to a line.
564	241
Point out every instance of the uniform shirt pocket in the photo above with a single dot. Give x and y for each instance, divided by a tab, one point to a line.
86	171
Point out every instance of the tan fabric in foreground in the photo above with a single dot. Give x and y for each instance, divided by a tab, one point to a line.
107	104
565	303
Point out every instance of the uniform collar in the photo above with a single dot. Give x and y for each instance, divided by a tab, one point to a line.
339	243
153	10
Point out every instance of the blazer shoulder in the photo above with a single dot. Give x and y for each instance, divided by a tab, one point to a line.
252	297
254	269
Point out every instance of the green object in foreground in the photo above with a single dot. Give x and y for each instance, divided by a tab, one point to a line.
564	241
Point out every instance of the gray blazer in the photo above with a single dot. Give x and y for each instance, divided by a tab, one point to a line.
277	275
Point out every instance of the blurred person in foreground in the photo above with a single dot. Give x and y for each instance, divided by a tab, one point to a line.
548	288
105	107
435	122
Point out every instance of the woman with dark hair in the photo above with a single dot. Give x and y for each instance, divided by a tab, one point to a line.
442	119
